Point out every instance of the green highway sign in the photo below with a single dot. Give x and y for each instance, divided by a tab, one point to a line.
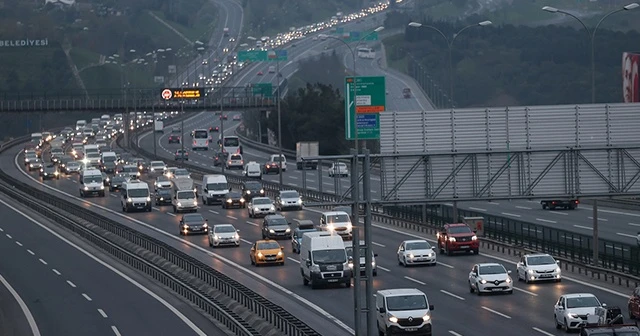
263	89
356	36
365	99
262	55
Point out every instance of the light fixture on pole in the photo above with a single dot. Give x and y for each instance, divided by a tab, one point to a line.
450	47
592	37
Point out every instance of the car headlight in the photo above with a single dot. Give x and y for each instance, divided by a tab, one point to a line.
558	270
288	230
410	255
236	237
474	238
41	170
56	173
426	318
393	319
138	173
162	198
242	200
86	188
483	281
509	280
129	200
530	271
179	204
205	225
349	226
248	192
260	255
452	239
572	315
271	231
102	187
273	209
229	200
149	199
256	209
185	226
216	237
280	254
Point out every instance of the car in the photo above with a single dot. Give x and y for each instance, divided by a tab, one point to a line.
338	169
538	267
260	206
35	164
403	311
106	180
235	161
259	73
571	310
270	167
303	226
170	172
176	129
490	278
181	172
219	158
223	234
163	196
108	167
252	169
132	171
181	154
118	180
348	247
224	117
73	167
416	252
142	164
157	167
457	238
30	157
266	252
214	129
288	199
193	223
336	222
634	304
174	139
233	199
162	182
251	189
49	171
275	226
62	163
237	117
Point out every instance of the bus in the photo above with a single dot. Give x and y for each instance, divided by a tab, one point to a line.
231	144
366	53
200	139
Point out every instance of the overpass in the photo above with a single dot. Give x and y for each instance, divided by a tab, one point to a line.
143	99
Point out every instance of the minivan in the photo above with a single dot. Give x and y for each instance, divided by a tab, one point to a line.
214	188
403	311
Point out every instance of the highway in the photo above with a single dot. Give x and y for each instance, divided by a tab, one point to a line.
72	289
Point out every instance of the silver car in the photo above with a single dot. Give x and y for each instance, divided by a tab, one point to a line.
260	206
223	234
34	164
288	199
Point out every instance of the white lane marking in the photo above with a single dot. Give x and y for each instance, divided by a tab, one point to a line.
454	333
74	181
625	235
414	280
9	236
294	260
56	271
496	312
31	252
112	195
156	209
583	227
87	297
102	313
525	291
493	203
18	243
546	220
170	214
1	230
477	209
231	217
619	213
542	331
633	224
214	212
452	295
378	244
559	213
116	331
173	309
600	219
23	306
445	265
252	223
43	262
245	241
293	177
510	214
384	268
523	207
71	284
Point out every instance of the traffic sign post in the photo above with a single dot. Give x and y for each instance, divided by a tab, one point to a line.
365	99
263	89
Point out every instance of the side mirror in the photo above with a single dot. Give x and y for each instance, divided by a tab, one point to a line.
281	248
350	259
253	249
230	189
308	263
205	190
508	272
604	305
431	307
433	248
375	254
558	262
290	223
206	220
475	231
560	307
381	310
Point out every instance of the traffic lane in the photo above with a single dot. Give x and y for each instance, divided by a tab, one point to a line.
13	320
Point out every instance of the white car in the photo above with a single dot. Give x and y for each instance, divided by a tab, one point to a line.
162	182
338	169
235	161
223	234
538	267
416	252
260	206
489	278
571	310
288	199
157	167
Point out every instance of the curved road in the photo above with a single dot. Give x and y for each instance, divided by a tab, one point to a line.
72	289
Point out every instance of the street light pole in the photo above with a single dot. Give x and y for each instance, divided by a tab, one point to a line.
279	123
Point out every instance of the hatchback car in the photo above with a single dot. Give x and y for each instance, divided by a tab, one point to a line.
288	199
235	161
490	278
223	234
174	139
571	310
193	223
117	181
538	267
416	252
73	167
181	154
49	171
266	252
275	227
162	182
270	167
233	200
163	196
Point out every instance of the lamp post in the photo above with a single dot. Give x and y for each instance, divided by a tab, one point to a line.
592	37
450	46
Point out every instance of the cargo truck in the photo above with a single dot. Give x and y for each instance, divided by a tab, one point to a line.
158	126
305	149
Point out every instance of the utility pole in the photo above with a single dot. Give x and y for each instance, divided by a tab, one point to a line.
368	292
279	122
224	159
355	232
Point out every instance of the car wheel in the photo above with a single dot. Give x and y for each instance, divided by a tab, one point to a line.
566	326
404	261
399	261
471	290
250	215
558	325
631	317
510	292
210	243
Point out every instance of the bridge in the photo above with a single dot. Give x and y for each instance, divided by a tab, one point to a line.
144	99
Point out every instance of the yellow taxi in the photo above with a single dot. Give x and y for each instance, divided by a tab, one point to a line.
266	252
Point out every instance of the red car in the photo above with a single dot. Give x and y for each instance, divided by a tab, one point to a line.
174	139
224	117
634	304
214	129
456	238
259	73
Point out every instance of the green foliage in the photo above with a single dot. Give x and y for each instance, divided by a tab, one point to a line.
516	64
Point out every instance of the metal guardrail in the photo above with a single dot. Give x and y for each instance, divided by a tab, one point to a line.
257	304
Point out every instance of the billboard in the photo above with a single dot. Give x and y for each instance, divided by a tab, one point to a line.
630	79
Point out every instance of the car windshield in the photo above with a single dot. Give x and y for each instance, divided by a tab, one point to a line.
341	165
406	302
253	185
268	246
329	256
130	169
492	269
157	164
540	260
289	194
138	193
118	178
92	179
224	229
31	155
109	164
261	201
235	157
217	186
582	302
193	218
186	194
231	142
349	250
418	246
277	221
181	172
459	229
164	192
341	218
93	155
162	178
233	195
73	164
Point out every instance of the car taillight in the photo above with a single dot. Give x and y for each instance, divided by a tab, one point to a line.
242	162
577	202
194	142
229	162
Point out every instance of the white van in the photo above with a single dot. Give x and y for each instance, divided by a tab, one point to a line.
252	169
135	196
184	197
403	310
274	158
91	182
80	124
337	222
323	260
272	69
108	157
214	188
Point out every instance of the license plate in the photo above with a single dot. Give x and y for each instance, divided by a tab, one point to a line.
496	289
464	247
271	258
546	276
411	329
333	280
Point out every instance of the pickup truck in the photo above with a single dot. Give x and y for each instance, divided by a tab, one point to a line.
554	204
457	237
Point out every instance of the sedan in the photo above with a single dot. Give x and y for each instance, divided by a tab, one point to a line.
288	199
338	169
233	199
117	181
259	73
193	223
538	267
214	129
260	206
174	139
106	180
49	172
489	278
224	234
163	197
266	252
35	164
181	155
236	117
416	252
162	182
270	167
